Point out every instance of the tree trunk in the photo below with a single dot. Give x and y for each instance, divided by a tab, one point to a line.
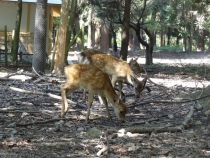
77	28
61	45
70	24
97	34
110	39
162	38
149	47
39	54
115	42
136	43
149	58
104	44
93	34
191	35
17	32
200	46
6	49
125	30
131	40
90	28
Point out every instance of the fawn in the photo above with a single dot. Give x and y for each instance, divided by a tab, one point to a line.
117	69
95	81
135	67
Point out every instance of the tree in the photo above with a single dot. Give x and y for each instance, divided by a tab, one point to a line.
15	42
71	20
104	43
61	42
39	54
125	30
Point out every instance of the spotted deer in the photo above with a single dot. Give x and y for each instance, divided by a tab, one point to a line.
117	69
95	81
134	65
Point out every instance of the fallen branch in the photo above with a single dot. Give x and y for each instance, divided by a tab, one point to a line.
189	116
46	79
8	79
141	129
166	101
42	111
40	93
153	129
105	148
141	122
21	73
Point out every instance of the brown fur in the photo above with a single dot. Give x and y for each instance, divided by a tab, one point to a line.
135	67
95	81
118	69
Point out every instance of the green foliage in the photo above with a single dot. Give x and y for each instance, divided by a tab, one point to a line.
56	22
169	48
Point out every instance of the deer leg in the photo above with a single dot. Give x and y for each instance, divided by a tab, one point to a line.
90	101
120	89
106	105
64	100
114	80
65	91
84	95
100	99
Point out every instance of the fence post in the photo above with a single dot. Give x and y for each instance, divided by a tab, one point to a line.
5	44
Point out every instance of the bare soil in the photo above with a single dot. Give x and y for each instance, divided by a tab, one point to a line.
30	125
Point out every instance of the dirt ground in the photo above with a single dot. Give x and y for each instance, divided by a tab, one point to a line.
159	124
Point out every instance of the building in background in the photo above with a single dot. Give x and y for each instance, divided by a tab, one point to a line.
8	11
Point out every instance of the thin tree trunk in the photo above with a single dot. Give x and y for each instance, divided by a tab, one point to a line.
200	46
61	46
6	49
17	31
97	34
77	28
93	34
136	43
131	41
191	35
104	45
90	28
162	38
70	25
125	30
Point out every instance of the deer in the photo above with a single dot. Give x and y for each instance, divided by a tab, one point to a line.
117	69
134	65
95	81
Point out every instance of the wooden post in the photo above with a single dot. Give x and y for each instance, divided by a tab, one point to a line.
5	44
82	37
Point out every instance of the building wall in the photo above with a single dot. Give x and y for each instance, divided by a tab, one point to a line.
8	11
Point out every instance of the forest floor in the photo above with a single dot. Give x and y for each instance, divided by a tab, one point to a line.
159	124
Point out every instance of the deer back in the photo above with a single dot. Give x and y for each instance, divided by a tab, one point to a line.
107	63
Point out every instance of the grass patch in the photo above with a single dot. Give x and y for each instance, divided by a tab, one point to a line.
168	48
